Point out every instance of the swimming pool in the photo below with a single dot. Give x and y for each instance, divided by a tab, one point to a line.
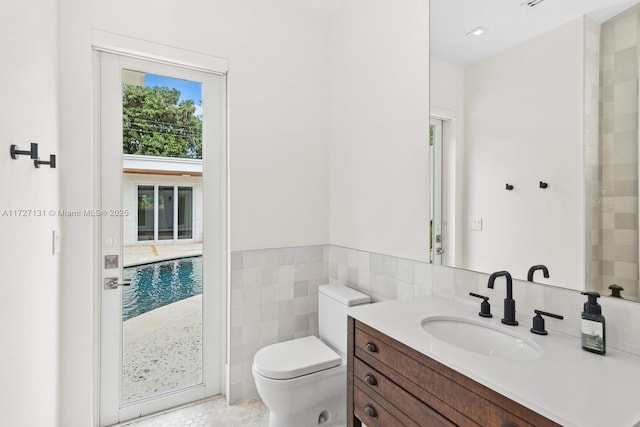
161	283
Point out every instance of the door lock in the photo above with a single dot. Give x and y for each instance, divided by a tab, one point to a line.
112	283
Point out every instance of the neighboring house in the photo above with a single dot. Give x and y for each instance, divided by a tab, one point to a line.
163	196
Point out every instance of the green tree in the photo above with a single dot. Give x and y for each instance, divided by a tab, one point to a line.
156	123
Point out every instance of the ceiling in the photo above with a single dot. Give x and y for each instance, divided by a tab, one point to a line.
508	23
316	7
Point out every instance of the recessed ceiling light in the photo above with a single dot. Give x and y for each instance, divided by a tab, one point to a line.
477	31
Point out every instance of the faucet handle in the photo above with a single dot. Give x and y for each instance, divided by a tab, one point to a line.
538	321
485	307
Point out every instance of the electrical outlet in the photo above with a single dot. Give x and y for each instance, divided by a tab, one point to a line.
476	224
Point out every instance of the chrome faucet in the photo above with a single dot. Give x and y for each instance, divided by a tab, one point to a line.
545	272
509	303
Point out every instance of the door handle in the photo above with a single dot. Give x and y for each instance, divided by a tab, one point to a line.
112	283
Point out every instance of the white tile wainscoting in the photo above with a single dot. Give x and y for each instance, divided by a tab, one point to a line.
274	297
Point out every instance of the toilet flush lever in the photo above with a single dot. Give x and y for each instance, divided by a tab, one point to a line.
112	283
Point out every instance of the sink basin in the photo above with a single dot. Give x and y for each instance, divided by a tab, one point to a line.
482	338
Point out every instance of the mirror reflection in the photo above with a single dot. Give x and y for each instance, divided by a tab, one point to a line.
534	140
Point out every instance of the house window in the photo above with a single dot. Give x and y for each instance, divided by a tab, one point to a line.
165	213
145	212
185	213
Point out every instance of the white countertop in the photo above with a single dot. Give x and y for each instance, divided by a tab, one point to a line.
566	384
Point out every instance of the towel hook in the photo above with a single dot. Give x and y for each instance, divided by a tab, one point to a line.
33	152
51	162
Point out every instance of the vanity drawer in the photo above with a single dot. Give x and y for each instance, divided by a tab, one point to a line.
458	398
376	385
373	413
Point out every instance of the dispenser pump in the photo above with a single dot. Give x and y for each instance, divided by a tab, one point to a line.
592	306
593	325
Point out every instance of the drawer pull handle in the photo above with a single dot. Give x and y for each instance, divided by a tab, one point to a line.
508	424
371	347
371	380
371	411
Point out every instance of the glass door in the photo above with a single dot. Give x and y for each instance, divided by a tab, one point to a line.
163	240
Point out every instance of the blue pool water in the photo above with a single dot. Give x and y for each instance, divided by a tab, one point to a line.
161	283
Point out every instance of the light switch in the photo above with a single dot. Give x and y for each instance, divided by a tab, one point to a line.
56	242
476	224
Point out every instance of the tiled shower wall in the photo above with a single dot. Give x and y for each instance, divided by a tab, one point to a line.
619	150
593	201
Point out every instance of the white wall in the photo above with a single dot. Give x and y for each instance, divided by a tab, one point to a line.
277	112
29	309
536	136
378	149
79	328
278	73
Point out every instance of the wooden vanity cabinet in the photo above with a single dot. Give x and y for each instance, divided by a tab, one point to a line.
390	384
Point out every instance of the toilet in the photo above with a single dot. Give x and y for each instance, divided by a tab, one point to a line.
303	381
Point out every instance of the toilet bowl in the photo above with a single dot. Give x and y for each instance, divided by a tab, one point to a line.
303	381
311	393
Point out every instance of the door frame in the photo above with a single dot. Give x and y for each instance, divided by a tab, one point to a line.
452	215
216	206
437	191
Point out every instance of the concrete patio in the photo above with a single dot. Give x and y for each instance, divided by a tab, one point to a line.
145	254
162	348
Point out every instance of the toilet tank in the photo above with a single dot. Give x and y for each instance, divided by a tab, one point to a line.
333	300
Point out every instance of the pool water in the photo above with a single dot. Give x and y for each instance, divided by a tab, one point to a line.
161	283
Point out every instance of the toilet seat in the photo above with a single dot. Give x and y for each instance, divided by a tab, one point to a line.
295	358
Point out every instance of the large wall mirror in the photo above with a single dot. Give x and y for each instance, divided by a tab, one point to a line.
534	139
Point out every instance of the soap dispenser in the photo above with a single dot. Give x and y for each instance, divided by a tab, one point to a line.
593	326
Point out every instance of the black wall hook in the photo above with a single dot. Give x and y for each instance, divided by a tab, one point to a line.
509	187
51	162
543	184
33	152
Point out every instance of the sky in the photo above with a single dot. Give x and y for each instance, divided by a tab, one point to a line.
188	89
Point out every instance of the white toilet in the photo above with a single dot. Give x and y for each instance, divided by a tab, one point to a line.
303	381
